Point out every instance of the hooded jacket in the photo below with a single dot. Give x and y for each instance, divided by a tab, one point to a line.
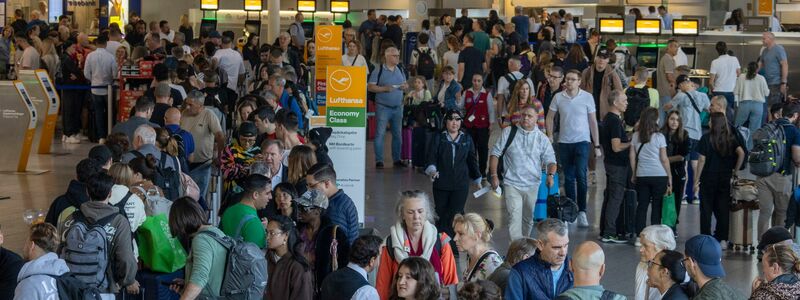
75	196
122	269
33	280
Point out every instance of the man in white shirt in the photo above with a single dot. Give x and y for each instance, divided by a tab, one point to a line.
297	32
100	69
231	62
578	131
351	282
724	71
504	84
30	56
775	24
114	38
165	32
273	157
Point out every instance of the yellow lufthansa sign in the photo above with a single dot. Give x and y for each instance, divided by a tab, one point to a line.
329	53
648	26
347	86
252	5
685	27
612	26
209	4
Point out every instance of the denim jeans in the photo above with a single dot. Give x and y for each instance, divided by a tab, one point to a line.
99	109
575	161
392	116
750	112
202	176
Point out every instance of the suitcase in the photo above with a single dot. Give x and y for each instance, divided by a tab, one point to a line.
405	150
372	122
153	285
626	221
742	234
540	210
419	140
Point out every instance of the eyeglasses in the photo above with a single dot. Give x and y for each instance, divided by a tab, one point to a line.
312	186
650	263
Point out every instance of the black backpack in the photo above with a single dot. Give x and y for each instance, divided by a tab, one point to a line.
638	100
425	63
562	208
73	288
121	204
371	95
512	82
167	179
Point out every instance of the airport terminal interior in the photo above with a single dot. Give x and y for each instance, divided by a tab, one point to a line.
32	175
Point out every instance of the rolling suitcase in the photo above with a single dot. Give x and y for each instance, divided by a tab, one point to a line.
406	149
540	210
742	234
626	221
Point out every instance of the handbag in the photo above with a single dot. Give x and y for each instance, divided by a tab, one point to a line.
669	216
158	250
704	115
562	208
189	187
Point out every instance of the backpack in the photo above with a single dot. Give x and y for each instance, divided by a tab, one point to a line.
425	63
121	204
371	95
769	150
69	286
154	202
629	62
500	165
512	82
436	246
167	179
87	249
245	268
526	59
430	113
638	100
562	208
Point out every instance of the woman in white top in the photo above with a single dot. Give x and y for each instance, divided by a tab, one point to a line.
650	164
473	236
353	56
133	205
654	238
751	92
450	57
442	30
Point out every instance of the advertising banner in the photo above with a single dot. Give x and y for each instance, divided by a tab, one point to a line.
329	53
347	116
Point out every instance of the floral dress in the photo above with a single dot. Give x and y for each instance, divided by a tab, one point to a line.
235	164
486	265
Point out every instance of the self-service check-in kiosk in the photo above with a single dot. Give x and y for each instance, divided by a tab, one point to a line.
43	95
18	119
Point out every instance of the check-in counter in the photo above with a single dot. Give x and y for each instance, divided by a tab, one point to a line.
18	119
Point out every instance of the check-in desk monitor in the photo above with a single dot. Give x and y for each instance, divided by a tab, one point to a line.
686	27
647	57
253	26
208	25
611	26
755	24
648	27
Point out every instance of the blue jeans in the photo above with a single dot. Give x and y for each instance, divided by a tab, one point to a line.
201	175
99	107
392	116
750	112
575	162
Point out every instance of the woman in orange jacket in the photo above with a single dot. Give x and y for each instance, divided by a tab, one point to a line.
415	235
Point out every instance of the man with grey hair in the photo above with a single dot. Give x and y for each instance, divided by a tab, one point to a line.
208	136
589	265
297	32
144	143
615	145
143	111
278	84
506	83
773	63
388	84
544	275
231	62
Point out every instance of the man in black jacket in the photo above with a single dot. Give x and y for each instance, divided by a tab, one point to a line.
393	32
76	192
71	74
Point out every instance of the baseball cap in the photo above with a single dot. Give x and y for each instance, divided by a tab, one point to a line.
603	53
681	79
313	198
706	251
100	153
774	235
319	136
248	129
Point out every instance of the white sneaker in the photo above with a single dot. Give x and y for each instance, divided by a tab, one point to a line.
637	243
723	245
81	137
63	138
582	222
683	202
72	140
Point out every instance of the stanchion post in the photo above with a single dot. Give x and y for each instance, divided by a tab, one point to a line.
109	107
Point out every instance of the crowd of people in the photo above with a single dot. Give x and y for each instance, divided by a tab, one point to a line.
560	107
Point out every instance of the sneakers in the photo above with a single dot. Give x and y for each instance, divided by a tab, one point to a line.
72	140
683	202
102	141
638	243
592	177
613	239
81	137
723	245
582	221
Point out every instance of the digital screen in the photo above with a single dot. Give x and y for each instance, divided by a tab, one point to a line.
252	5
340	6
647	57
307	6
612	26
209	4
648	26
685	27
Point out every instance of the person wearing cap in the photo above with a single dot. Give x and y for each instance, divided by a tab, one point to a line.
780	266
163	103
72	100
236	158
777	235
452	163
325	245
241	219
685	102
704	265
599	80
100	69
143	111
101	154
528	153
230	61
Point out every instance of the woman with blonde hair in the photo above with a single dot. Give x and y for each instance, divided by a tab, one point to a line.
474	236
124	199
521	97
780	266
301	159
50	57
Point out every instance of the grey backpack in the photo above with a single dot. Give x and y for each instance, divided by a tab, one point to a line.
245	269
87	248
769	150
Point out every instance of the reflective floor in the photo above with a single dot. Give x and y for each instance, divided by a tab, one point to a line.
383	187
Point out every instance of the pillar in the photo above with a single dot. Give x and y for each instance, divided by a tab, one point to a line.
274	25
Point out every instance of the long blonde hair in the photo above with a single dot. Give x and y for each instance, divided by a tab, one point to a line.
513	104
301	158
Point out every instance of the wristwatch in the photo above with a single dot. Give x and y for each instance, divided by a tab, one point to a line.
597	146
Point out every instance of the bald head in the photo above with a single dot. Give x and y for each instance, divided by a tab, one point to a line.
588	264
172	116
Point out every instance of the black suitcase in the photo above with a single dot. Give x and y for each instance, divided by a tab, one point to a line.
626	220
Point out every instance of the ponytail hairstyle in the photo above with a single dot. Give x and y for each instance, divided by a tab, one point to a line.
752	67
673	262
293	243
784	256
145	166
166	142
475	225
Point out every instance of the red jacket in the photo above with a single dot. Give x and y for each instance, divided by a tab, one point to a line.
477	106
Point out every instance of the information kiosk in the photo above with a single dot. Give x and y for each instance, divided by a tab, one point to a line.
18	121
46	104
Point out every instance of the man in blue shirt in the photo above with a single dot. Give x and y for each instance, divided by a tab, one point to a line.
521	22
774	65
545	274
774	191
287	101
666	18
388	84
172	122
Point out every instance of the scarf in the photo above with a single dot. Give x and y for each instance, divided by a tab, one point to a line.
401	245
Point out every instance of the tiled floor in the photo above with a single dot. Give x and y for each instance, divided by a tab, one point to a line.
383	187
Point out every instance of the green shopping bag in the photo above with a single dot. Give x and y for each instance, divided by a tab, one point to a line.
669	216
158	250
